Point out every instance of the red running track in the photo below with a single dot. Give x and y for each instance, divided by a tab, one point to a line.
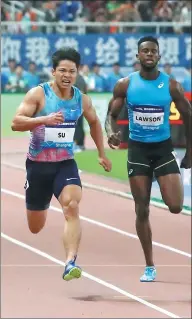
32	285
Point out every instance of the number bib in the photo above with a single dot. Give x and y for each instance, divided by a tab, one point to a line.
150	116
60	136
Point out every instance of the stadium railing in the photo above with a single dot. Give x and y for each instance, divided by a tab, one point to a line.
81	27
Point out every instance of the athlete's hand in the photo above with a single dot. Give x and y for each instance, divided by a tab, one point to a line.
54	118
106	163
186	161
114	140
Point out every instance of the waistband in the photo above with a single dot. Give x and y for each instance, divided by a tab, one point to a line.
166	143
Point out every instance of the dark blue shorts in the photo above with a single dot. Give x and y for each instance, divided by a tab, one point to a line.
45	179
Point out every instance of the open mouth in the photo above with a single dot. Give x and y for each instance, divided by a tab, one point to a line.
66	81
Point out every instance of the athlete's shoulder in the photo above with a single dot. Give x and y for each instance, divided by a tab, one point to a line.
134	77
175	88
46	86
165	75
77	90
134	74
86	99
173	84
122	83
120	88
37	91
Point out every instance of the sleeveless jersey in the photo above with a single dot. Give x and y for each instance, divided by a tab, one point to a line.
148	104
55	143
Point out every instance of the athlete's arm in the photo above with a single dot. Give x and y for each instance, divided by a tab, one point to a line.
23	119
185	109
114	109
95	130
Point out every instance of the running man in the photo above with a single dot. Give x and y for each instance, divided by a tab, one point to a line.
50	111
148	94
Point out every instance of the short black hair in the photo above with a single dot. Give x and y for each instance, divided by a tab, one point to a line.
32	62
19	65
116	64
66	54
148	39
11	60
94	64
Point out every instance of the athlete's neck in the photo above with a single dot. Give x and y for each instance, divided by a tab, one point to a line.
65	93
149	74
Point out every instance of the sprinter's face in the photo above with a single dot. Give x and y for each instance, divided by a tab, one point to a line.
148	55
65	74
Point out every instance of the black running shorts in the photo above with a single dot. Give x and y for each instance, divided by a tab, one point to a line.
45	179
151	159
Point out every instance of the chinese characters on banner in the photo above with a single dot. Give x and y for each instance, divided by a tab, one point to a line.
102	49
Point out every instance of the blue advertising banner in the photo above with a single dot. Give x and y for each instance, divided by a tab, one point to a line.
103	49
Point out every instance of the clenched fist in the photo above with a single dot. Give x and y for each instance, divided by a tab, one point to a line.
54	118
114	140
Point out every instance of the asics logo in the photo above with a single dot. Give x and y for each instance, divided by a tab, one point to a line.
26	185
130	171
160	85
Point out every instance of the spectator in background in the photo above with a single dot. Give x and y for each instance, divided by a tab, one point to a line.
17	82
4	81
114	77
12	66
145	9
85	72
5	16
79	136
51	15
112	7
186	16
8	74
91	7
31	76
168	70
97	82
100	16
129	13
177	28
67	10
25	25
187	81
27	14
165	14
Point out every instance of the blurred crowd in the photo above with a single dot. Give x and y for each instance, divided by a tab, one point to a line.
18	80
101	11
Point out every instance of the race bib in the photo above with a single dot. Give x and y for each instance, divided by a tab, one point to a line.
150	116
59	136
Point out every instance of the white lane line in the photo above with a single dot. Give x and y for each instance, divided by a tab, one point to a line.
107	190
87	265
114	229
93	278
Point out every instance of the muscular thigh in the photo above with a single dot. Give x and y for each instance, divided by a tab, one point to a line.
171	189
70	196
39	185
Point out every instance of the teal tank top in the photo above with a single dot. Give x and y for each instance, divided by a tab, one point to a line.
148	104
55	143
